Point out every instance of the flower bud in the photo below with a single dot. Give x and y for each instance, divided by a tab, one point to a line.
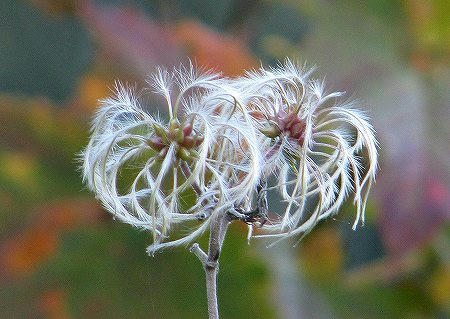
156	143
184	154
187	129
179	135
194	154
198	140
173	124
161	132
188	142
271	131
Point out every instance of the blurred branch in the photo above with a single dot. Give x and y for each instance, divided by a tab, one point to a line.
294	297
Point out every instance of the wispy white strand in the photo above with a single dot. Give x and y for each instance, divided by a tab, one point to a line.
289	89
271	122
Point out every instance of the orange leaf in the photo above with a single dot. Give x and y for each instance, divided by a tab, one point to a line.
53	304
214	50
24	252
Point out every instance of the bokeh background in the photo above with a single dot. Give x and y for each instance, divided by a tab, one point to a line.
62	256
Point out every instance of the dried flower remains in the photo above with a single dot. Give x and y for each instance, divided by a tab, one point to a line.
224	144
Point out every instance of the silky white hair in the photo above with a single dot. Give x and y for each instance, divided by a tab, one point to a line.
337	155
222	171
215	150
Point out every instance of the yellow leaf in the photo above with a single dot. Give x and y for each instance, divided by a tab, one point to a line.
322	254
439	286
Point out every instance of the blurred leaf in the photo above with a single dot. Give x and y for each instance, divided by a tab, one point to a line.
144	43
92	88
322	254
131	36
278	47
279	23
391	11
214	50
36	125
56	7
214	13
439	287
363	246
108	275
54	304
21	255
20	168
41	56
404	298
24	252
38	146
385	270
430	32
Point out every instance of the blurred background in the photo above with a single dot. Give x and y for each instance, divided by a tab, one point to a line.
62	256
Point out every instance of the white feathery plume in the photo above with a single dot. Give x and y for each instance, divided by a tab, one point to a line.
312	141
206	150
224	140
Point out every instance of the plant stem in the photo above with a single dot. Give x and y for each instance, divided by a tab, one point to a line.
211	292
210	261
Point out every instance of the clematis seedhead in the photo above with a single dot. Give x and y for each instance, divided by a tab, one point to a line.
320	147
225	144
157	175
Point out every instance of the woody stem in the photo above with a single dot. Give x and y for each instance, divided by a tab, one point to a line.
210	261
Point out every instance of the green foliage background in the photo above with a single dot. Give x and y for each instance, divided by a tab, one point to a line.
64	257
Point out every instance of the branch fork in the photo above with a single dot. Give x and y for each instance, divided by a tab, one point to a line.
210	261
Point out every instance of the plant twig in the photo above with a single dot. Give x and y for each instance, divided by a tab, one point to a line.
210	261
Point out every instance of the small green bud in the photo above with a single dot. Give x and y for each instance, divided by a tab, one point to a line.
161	132
194	154
270	131
179	135
184	154
173	124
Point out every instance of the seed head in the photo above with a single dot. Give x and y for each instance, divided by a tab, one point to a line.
224	140
156	175
320	147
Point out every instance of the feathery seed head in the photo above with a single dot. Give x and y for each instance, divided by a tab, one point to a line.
156	175
223	141
313	141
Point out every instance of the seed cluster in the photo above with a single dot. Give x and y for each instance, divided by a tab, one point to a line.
183	135
282	123
224	142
